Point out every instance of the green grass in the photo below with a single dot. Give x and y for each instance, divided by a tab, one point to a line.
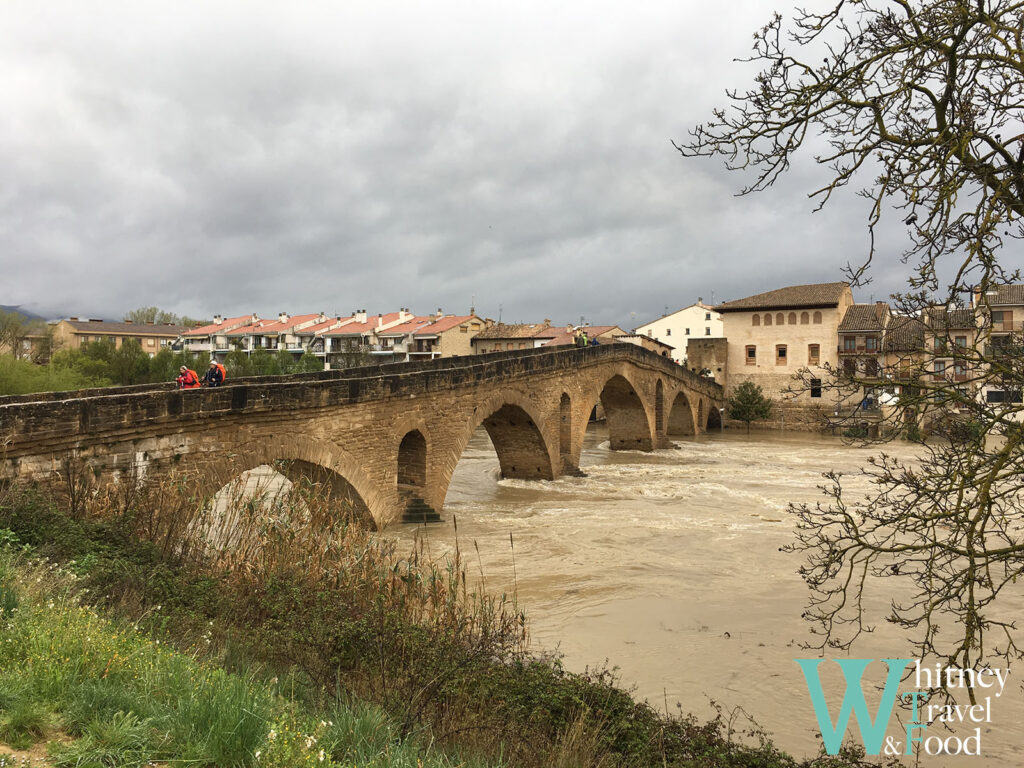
118	698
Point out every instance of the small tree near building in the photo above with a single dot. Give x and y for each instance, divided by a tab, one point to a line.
748	403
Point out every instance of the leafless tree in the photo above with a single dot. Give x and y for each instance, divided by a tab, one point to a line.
920	103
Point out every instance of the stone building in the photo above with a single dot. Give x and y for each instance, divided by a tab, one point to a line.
73	333
505	337
773	335
1000	313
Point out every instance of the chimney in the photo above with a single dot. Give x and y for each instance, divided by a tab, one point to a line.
360	316
321	318
403	314
282	317
380	319
217	319
547	321
472	311
440	313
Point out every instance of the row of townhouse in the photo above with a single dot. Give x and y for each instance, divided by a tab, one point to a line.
393	337
818	329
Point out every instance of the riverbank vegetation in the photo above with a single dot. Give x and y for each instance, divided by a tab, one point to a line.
276	630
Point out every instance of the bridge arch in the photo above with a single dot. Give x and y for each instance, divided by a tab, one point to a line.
300	459
516	429
681	420
714	418
412	460
629	425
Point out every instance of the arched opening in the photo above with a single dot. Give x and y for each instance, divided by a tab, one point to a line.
297	496
412	460
804	318
767	319
714	418
565	433
792	318
817	318
659	408
680	418
628	428
755	320
412	479
519	444
779	319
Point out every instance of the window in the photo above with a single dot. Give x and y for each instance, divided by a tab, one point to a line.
780	354
755	320
961	341
687	331
871	367
464	329
163	342
804	318
150	343
707	331
940	346
780	319
522	345
849	343
939	367
997	317
813	354
707	315
871	344
792	318
817	318
751	355
668	331
849	367
815	387
650	332
767	319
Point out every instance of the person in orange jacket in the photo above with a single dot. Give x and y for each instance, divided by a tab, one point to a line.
187	378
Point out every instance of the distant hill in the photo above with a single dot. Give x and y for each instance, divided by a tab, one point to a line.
23	312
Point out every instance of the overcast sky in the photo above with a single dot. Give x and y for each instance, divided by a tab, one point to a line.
229	157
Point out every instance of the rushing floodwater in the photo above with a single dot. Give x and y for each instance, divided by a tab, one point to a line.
667	565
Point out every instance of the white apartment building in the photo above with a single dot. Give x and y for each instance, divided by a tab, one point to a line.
695	321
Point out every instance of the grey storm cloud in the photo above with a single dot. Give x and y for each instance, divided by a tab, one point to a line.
235	157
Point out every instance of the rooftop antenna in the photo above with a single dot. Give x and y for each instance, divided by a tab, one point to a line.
499	312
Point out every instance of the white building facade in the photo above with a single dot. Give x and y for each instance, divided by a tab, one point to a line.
695	321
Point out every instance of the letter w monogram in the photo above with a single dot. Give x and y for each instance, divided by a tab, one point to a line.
871	732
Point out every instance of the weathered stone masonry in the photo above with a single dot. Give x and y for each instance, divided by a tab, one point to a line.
385	435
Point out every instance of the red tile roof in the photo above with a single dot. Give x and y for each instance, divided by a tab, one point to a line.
359	329
446	323
275	326
408	326
229	323
793	296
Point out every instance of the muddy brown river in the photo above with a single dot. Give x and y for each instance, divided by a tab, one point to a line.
667	566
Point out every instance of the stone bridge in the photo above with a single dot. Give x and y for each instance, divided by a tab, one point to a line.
386	437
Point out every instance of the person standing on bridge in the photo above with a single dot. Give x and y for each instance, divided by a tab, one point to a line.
214	375
187	378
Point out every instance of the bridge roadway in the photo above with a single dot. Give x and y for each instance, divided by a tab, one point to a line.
385	437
